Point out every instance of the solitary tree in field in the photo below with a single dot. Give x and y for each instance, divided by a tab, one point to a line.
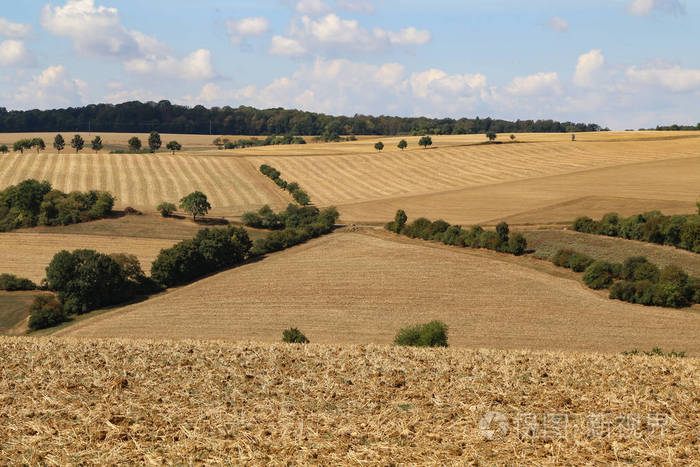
196	204
573	137
77	143
402	144
96	144
3	149
379	146
154	141
134	144
38	144
174	146
512	137
491	135
59	143
425	141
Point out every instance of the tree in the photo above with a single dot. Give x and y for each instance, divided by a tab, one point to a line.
399	222
37	143
3	149
21	145
166	209
135	144
154	141
425	141
301	197
402	144
195	204
45	312
96	144
174	146
59	143
294	336
379	146
502	230
512	137
491	135
77	143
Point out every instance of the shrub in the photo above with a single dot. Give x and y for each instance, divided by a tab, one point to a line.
419	228
166	209
301	197
432	334
610	225
294	336
45	312
586	225
503	230
638	268
579	262
644	292
10	282
398	223
561	257
517	244
489	240
599	275
623	290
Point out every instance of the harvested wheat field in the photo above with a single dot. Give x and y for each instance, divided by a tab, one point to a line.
144	180
68	401
359	289
27	254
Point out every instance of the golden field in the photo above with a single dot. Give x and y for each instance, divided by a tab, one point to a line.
361	288
540	178
65	401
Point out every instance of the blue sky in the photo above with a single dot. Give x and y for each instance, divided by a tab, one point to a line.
620	63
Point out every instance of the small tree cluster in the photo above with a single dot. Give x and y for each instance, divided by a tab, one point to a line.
10	283
299	195
432	334
300	225
476	237
45	312
166	209
294	336
226	143
573	260
679	231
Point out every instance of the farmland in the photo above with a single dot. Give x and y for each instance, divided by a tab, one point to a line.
113	401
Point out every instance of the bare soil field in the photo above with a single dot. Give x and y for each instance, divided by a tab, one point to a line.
65	401
547	242
360	288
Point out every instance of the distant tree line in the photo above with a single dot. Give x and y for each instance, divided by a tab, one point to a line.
225	143
675	128
165	117
31	203
681	231
636	280
476	237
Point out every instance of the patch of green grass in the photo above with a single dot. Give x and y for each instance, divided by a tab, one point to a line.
14	308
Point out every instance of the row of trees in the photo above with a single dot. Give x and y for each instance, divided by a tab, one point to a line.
225	143
78	143
31	203
299	195
681	231
137	117
425	141
476	237
636	280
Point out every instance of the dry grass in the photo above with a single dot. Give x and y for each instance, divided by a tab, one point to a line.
143	402
28	254
14	309
355	288
546	243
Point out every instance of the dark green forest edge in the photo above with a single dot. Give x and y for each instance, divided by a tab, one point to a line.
168	118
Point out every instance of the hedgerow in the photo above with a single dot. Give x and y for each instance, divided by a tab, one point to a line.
475	237
10	283
293	188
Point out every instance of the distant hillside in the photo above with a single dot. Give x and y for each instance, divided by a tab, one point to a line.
168	118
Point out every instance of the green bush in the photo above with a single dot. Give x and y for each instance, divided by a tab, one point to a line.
586	225
517	244
579	262
398	223
166	209
10	282
623	290
599	275
45	312
294	336
561	257
432	334
301	197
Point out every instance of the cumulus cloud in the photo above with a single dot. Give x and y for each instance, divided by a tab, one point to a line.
558	24
539	84
286	46
331	32
13	52
312	7
53	87
14	30
588	68
195	66
646	7
239	30
671	78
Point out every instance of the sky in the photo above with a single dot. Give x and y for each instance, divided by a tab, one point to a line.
619	63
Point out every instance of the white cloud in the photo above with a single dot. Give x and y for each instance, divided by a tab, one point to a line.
13	52
539	84
407	36
436	84
195	66
240	29
286	46
670	78
646	7
14	30
558	24
588	68
358	6
51	88
312	7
